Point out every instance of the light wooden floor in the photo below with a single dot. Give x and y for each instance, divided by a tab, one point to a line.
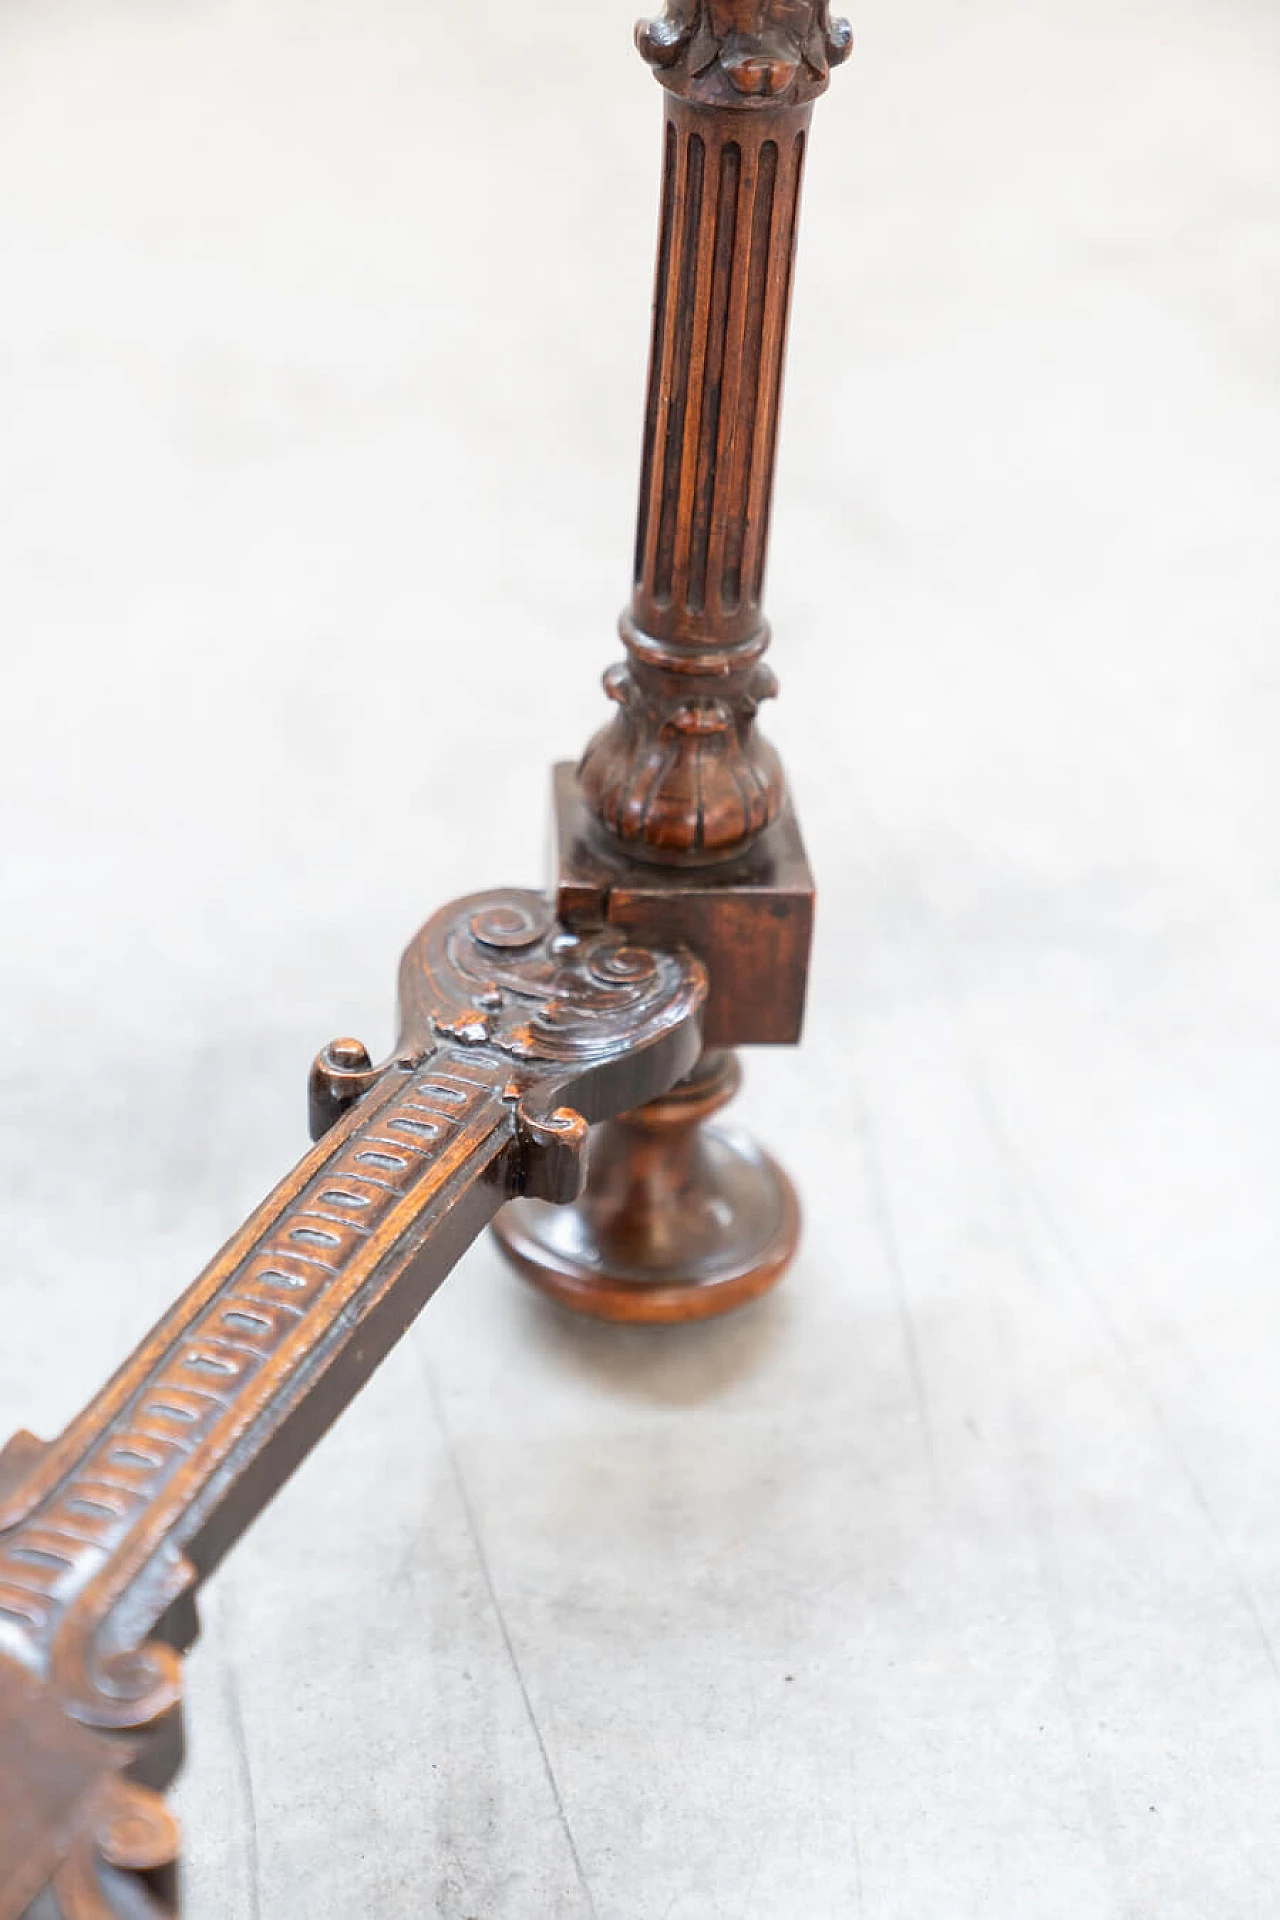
945	1584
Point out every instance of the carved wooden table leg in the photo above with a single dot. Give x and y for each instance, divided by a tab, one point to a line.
676	824
681	922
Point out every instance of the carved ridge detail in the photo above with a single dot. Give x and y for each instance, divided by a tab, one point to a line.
106	1533
681	768
727	241
679	775
745	53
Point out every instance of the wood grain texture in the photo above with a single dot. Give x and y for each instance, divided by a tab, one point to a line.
106	1533
678	1222
994	1477
681	776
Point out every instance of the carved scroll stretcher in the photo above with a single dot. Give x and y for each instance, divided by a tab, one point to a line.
106	1533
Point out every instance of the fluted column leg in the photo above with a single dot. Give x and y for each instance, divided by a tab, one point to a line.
679	1220
731	196
681	776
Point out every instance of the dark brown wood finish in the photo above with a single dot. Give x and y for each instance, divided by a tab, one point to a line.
678	824
679	1222
522	1023
681	775
751	918
106	1533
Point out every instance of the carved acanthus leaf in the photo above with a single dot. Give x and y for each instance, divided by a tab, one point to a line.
680	773
745	52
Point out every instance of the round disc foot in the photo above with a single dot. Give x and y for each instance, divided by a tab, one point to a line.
680	1221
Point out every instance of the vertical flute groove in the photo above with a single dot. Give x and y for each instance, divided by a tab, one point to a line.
760	503
662	281
730	204
717	352
681	358
744	439
700	346
680	773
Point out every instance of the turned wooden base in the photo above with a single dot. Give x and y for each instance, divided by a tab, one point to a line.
680	1221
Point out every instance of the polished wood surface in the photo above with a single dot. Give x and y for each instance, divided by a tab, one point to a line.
681	774
107	1532
992	1475
522	1024
681	1221
678	818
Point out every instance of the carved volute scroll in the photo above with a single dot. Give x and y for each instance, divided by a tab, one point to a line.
106	1532
681	774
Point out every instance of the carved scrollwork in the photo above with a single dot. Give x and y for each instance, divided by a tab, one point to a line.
123	1860
745	52
500	973
515	1033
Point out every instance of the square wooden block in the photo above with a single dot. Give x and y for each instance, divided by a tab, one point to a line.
750	920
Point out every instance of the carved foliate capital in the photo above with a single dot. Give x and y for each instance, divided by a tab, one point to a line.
743	53
680	774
